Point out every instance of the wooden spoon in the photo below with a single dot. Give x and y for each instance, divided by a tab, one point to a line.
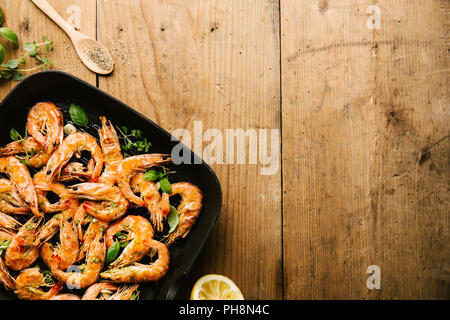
93	54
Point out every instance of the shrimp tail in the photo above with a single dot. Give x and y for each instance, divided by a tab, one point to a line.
5	278
55	289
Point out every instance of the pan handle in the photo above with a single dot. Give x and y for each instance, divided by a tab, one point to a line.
173	290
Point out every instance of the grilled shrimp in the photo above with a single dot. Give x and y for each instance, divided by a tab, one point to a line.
45	124
6	235
95	228
115	292
22	251
74	144
77	171
138	272
93	291
106	202
140	233
42	187
111	150
188	210
34	154
158	207
10	199
65	253
29	286
124	292
48	230
8	223
5	277
133	165
7	206
95	258
20	177
66	296
24	247
81	218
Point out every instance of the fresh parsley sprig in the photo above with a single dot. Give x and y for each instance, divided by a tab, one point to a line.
12	69
16	136
133	141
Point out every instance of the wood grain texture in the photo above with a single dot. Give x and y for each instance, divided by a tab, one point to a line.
366	149
216	62
364	120
31	24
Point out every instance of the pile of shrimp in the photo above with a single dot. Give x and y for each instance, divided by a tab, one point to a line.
88	216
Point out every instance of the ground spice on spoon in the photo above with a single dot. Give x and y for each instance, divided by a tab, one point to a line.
100	58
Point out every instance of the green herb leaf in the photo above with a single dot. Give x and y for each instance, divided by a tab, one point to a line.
113	252
9	35
6	74
2	17
165	186
31	49
48	277
15	135
135	295
2	53
124	244
78	115
18	76
48	44
173	219
4	246
121	236
152	175
13	64
133	140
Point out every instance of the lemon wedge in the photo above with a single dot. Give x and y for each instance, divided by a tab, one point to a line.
215	287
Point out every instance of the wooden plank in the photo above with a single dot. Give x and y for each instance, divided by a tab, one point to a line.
365	148
216	62
31	24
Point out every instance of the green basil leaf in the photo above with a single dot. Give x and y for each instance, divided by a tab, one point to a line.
152	175
113	252
2	53
165	186
78	115
173	219
8	34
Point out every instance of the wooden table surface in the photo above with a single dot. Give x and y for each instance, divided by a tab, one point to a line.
358	90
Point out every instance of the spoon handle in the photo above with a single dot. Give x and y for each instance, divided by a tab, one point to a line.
52	14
